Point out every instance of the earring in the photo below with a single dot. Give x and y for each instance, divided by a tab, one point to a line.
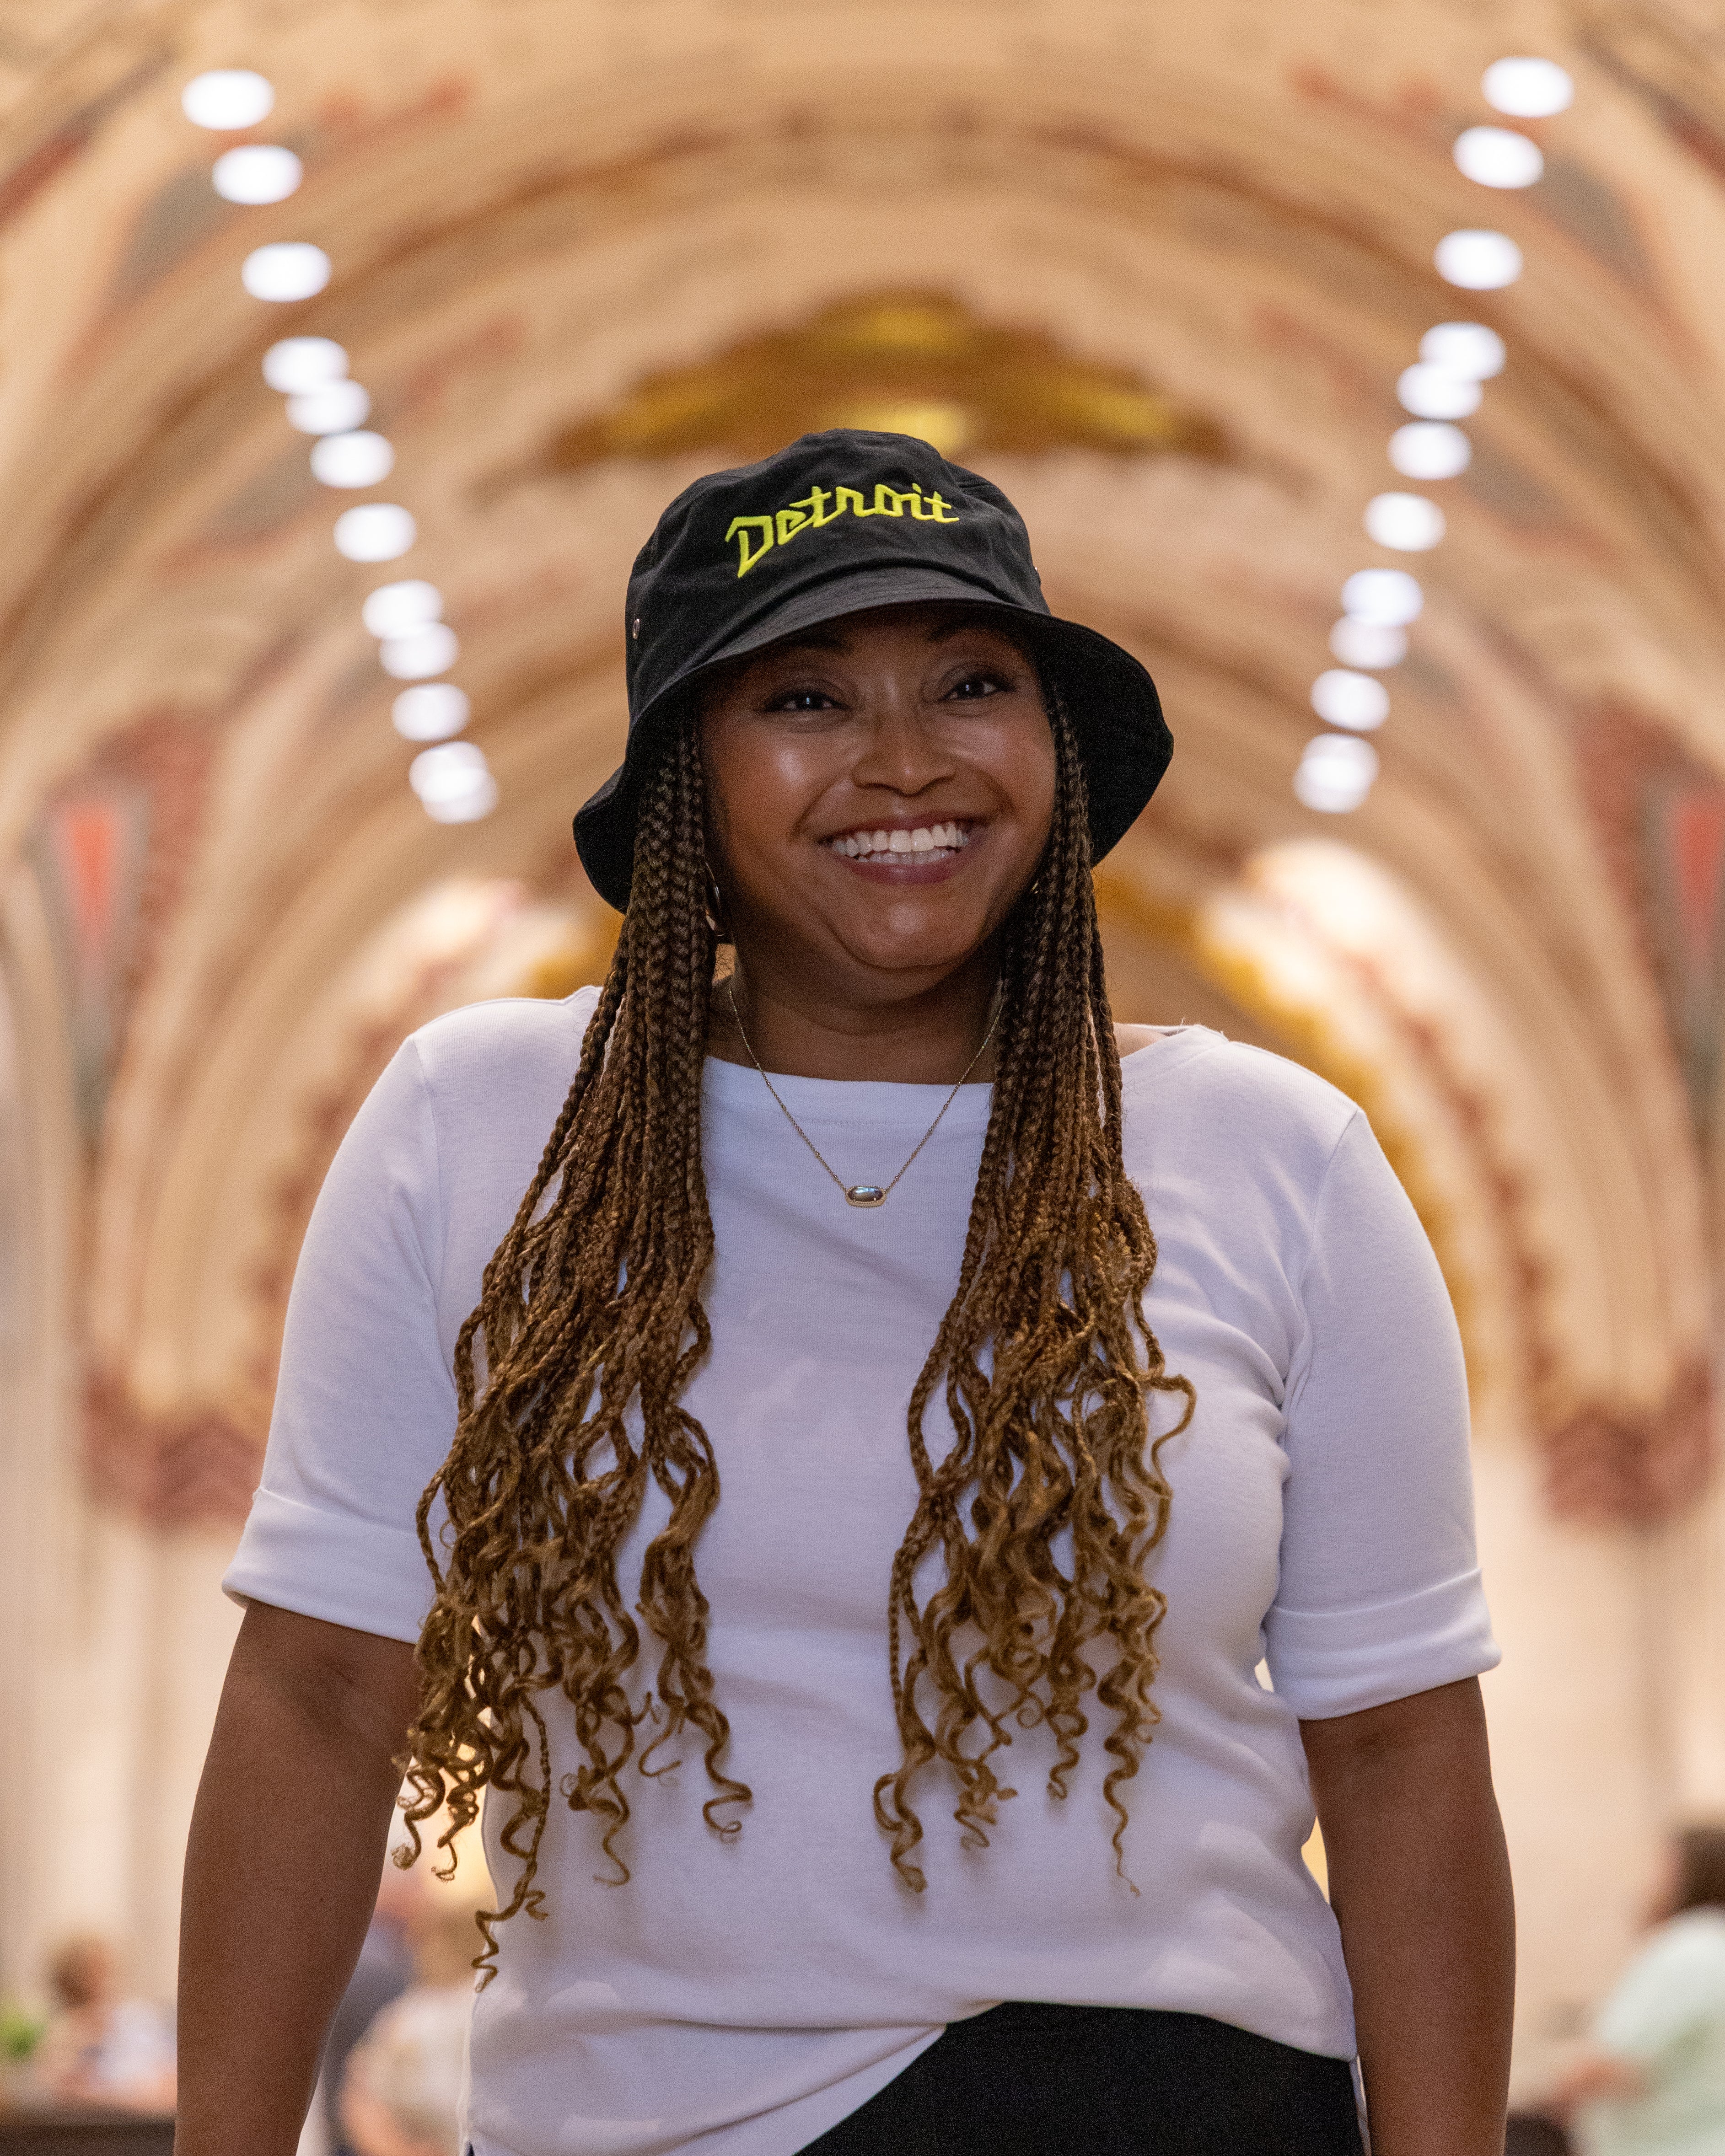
713	905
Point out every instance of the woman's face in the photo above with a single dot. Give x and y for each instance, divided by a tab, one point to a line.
879	792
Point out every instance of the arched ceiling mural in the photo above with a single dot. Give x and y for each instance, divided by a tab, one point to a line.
1156	272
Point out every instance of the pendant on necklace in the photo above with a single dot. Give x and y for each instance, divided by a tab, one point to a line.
866	1194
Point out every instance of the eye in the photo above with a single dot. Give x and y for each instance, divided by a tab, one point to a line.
802	700
976	685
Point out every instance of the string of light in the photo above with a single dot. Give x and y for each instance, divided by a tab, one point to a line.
414	643
1444	384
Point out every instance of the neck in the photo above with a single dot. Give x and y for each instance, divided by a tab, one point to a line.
927	1038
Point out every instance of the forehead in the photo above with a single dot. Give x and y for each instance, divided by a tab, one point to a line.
929	624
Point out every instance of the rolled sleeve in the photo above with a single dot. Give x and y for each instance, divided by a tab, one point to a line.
1329	1663
1379	1594
365	1401
330	1565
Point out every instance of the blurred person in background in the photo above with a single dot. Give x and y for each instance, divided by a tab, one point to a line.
100	2047
383	1972
1652	2081
401	2090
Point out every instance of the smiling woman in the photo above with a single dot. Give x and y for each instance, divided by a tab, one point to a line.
885	749
1112	1364
905	750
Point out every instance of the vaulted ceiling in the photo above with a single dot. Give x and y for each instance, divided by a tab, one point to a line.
1155	269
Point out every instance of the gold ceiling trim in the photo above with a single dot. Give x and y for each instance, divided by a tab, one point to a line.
903	363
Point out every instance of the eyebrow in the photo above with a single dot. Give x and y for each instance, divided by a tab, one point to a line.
834	639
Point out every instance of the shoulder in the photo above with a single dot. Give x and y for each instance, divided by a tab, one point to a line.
493	1053
1223	1100
466	1104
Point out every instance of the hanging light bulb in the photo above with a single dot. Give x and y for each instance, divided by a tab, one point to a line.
1429	448
1356	642
419	653
395	609
375	532
286	269
227	99
454	783
1478	261
360	458
1408	522
1527	89
256	172
1336	772
1498	157
1344	698
298	364
1468	349
335	408
1433	392
432	712
1390	596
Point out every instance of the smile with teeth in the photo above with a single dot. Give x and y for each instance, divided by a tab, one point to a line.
927	842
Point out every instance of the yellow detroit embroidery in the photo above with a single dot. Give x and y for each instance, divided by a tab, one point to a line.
755	536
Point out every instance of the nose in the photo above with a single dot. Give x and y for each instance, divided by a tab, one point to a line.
900	751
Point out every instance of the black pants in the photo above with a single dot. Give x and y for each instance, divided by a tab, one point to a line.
1024	2079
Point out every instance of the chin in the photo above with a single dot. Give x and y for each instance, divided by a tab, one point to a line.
929	947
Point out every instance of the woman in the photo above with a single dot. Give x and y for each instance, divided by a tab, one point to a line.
1652	2083
918	1793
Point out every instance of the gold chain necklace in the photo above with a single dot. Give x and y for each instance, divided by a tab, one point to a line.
866	1194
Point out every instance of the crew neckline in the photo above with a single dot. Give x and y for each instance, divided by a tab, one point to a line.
882	1099
1173	1042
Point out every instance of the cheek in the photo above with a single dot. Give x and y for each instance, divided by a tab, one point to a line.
1023	770
759	786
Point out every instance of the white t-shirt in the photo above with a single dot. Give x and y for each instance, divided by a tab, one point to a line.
740	1999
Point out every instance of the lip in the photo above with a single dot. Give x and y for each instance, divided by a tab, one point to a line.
906	867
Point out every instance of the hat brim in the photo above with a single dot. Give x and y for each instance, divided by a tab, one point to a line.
1108	695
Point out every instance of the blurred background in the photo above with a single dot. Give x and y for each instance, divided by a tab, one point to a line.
1360	365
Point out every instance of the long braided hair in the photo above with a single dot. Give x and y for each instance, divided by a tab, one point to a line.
591	1301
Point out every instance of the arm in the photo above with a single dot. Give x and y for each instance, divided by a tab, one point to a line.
287	1845
1419	1882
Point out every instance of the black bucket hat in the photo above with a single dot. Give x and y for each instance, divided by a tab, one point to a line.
836	524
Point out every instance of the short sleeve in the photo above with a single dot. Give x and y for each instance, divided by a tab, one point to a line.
365	1403
1379	1594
